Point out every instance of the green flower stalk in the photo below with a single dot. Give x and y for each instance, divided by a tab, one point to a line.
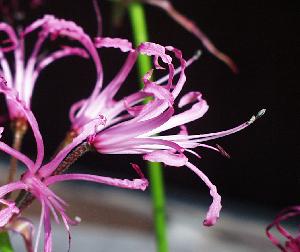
139	28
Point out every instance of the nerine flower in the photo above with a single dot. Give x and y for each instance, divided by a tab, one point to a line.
292	243
22	74
131	127
37	183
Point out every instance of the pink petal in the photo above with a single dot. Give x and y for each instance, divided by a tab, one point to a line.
166	157
182	78
159	92
125	131
12	37
189	98
16	154
47	230
137	145
152	49
192	114
64	52
178	70
5	189
123	44
215	208
74	109
136	184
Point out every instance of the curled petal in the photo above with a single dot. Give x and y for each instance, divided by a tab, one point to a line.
64	52
47	230
16	154
74	108
152	49
178	70
189	98
182	78
123	44
194	113
166	157
215	208
37	24
60	27
12	37
137	184
158	92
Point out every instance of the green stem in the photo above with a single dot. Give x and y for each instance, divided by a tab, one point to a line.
5	245
139	27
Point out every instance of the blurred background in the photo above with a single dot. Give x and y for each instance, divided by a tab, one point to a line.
262	175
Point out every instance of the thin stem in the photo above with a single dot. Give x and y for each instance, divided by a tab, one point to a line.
19	128
5	244
76	153
139	27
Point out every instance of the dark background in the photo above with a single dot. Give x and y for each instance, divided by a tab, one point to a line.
264	164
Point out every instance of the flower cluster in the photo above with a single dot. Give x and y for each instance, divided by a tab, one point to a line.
100	122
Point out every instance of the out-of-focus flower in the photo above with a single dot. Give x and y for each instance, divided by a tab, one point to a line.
185	22
292	244
22	74
34	180
190	26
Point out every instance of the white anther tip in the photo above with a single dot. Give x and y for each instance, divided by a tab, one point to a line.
198	53
260	113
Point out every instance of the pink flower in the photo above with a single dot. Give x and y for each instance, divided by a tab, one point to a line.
131	127
22	75
36	182
293	243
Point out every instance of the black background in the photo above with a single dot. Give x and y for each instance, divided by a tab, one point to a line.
264	164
